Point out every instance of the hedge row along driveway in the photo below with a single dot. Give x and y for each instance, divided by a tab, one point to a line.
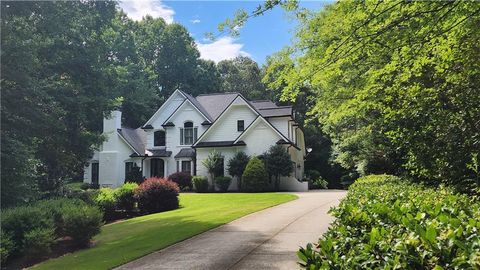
121	242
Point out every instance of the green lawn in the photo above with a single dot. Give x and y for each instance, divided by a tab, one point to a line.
125	241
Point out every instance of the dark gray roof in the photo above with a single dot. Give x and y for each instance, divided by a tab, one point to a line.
215	104
198	106
135	137
186	153
276	112
261	104
159	153
219	144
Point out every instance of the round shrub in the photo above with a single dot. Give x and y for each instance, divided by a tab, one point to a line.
223	182
183	179
255	178
105	199
82	223
157	195
124	196
200	183
56	208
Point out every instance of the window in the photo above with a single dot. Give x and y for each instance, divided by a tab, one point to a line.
128	168
95	173
240	125
156	167
159	138
186	166
188	134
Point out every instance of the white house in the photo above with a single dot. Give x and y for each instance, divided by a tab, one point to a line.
185	129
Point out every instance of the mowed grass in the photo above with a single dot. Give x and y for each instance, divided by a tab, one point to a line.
125	241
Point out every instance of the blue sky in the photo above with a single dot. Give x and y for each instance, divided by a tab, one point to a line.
260	37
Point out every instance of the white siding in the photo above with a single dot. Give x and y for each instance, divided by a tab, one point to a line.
281	124
226	128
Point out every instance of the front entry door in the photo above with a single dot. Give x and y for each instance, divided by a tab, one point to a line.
157	168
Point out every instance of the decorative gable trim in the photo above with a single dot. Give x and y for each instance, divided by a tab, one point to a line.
223	113
258	119
149	122
178	109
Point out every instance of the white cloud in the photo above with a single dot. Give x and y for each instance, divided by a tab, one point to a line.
137	9
221	49
195	21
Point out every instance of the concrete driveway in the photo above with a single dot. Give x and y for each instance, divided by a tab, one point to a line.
268	239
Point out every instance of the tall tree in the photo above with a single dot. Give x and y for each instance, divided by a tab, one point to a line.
242	75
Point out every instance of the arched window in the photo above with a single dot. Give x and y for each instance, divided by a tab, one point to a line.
159	138
188	134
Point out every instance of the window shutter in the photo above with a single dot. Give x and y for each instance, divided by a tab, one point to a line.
194	135
181	136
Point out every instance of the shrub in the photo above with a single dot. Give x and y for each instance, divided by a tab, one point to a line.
223	182
82	223
200	183
56	208
19	221
157	195
105	199
135	175
386	222
319	183
255	177
85	186
278	163
236	166
183	180
38	242
88	196
124	196
7	246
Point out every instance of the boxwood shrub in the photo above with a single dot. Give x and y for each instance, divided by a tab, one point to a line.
223	182
386	222
157	195
124	196
255	177
200	183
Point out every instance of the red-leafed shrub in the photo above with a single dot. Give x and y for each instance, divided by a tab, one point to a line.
157	195
183	179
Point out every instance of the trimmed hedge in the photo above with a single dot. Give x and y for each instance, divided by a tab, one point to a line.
105	199
124	196
386	222
157	195
255	177
223	182
200	183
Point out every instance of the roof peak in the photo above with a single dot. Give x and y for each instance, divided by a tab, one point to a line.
220	93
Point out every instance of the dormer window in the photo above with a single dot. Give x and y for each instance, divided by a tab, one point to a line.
188	134
240	125
159	138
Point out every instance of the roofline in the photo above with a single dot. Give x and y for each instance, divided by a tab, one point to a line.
195	106
166	101
269	124
125	140
219	93
178	108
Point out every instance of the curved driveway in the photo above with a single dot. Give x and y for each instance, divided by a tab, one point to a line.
268	239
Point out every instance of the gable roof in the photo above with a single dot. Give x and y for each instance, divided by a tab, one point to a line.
135	138
261	119
163	105
269	109
197	105
215	104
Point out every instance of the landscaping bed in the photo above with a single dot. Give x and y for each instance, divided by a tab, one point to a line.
386	222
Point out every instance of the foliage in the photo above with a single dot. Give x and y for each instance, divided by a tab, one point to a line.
395	85
56	208
200	183
223	182
183	180
38	242
157	195
236	166
135	175
105	199
255	177
213	164
124	196
243	75
7	246
143	235
278	163
82	222
386	222
320	183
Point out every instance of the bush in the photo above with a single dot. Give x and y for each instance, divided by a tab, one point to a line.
386	222
124	196
200	183
38	242
82	223
255	177
105	199
157	195
236	166
88	196
319	183
7	247
85	186
223	182
183	180
19	221
56	208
